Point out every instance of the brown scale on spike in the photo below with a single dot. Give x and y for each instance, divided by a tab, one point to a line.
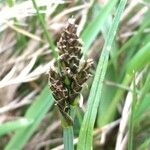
67	84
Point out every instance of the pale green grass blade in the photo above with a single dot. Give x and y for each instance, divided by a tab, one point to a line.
106	96
36	112
86	131
110	75
68	138
68	134
91	31
14	125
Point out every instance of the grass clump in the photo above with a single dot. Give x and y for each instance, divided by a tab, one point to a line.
115	103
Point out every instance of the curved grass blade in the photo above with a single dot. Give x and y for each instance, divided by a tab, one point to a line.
86	136
36	112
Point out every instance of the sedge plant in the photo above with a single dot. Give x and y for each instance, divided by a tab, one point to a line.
67	79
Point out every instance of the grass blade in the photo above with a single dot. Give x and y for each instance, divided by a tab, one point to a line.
144	103
85	137
92	30
36	112
47	34
14	125
131	120
112	108
132	40
143	55
143	106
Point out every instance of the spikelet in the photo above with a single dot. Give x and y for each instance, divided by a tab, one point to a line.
67	84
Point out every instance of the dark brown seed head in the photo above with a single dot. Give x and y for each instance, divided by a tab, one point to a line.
70	48
67	84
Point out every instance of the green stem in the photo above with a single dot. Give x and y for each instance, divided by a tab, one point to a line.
68	135
47	34
68	138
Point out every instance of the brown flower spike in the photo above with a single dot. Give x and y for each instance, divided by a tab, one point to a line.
67	84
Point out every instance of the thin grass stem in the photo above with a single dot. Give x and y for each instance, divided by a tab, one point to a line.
47	34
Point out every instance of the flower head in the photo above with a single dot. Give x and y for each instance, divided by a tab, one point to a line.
67	84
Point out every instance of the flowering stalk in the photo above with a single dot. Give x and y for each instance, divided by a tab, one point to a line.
67	79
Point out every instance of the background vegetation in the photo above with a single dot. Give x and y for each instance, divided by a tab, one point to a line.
116	109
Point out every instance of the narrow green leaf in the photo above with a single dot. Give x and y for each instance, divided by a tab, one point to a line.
106	96
146	86
91	31
143	107
47	34
36	112
144	102
131	120
137	62
109	116
86	131
132	42
14	125
140	59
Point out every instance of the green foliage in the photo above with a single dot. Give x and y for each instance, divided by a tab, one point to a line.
131	118
68	138
91	31
14	125
35	112
143	55
118	59
86	132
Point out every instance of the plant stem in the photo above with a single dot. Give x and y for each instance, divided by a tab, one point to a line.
68	138
47	34
68	135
